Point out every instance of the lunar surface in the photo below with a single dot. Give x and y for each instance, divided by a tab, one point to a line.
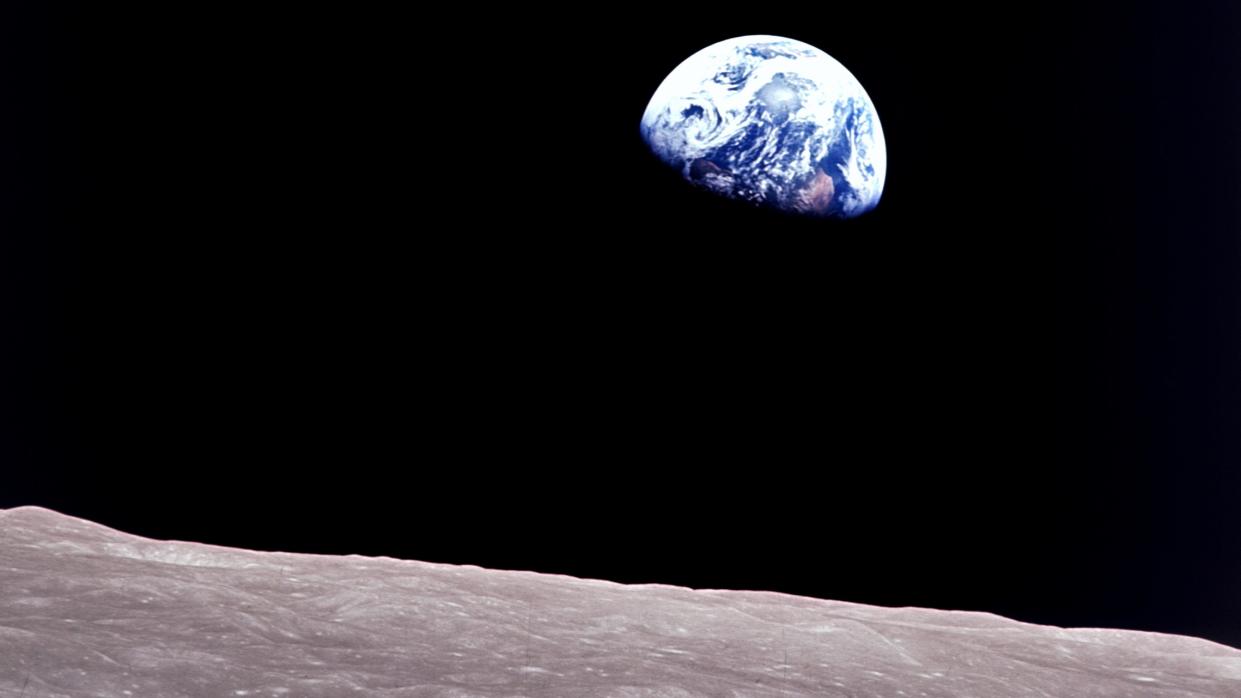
88	611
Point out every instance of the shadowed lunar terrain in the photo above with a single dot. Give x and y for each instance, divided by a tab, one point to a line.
88	611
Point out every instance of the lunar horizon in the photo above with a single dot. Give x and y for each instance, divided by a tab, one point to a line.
93	612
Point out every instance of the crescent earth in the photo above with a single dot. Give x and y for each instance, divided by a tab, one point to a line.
774	122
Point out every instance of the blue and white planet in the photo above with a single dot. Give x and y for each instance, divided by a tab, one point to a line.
774	122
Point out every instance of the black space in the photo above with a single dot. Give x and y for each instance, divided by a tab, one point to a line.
407	284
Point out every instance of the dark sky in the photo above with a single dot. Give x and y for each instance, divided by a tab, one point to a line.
411	285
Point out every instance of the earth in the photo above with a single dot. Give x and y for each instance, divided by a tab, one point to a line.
774	122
